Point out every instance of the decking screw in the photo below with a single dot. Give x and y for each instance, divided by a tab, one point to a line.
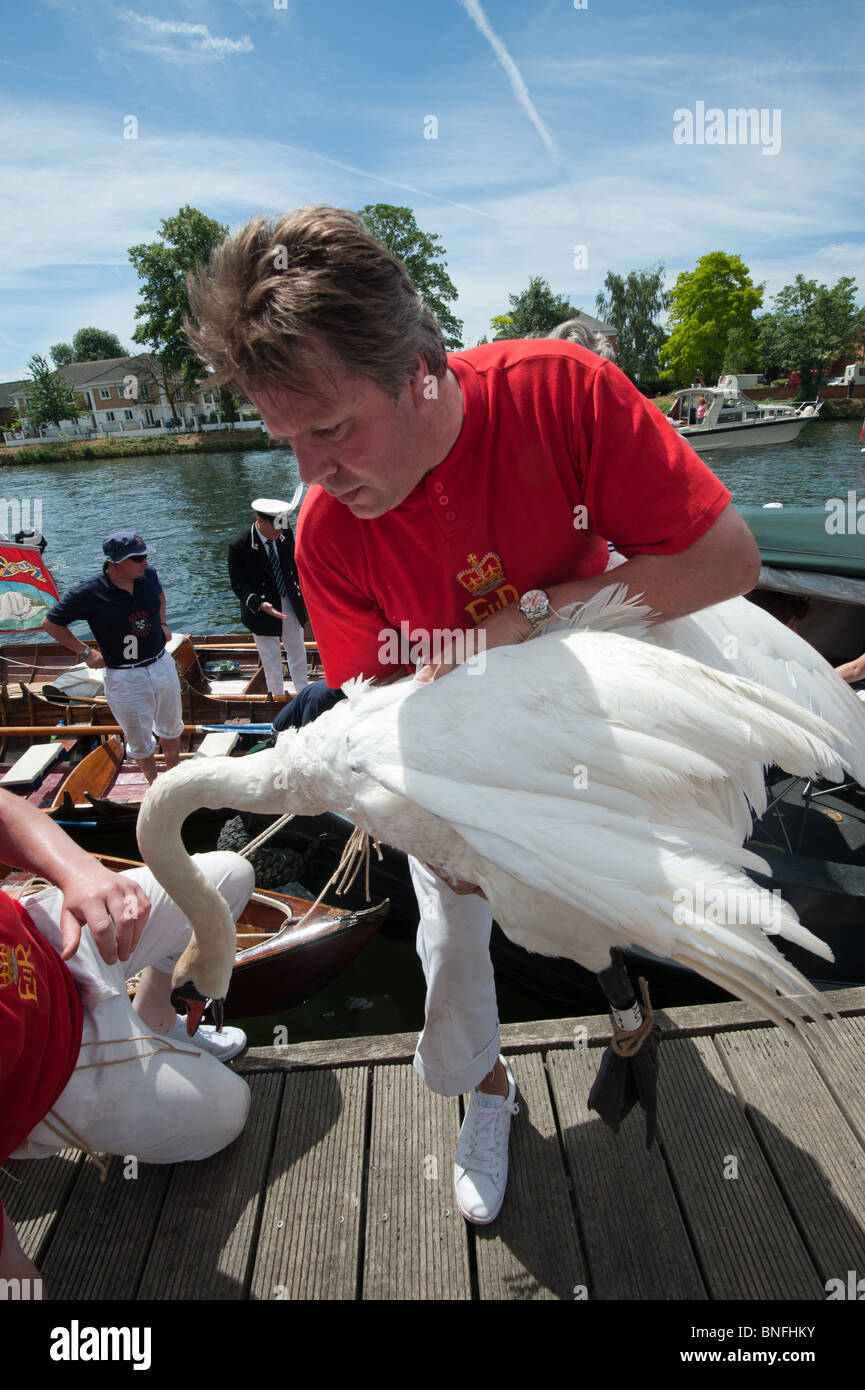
279	1225
384	1218
341	1220
447	1211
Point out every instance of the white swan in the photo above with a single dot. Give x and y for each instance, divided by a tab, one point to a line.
594	782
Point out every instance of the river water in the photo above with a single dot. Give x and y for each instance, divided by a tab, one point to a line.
190	506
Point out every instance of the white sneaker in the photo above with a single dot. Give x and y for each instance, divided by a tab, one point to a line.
223	1046
481	1166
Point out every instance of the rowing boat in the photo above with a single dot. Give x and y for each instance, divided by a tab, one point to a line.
221	678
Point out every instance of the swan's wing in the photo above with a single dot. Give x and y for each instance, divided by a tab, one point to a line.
608	775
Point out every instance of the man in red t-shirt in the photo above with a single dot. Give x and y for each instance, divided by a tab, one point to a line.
462	497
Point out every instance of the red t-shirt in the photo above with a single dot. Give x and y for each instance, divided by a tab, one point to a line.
41	1021
558	453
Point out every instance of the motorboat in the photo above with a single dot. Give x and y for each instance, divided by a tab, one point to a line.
723	417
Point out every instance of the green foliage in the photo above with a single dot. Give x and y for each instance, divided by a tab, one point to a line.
810	327
50	399
632	305
742	353
534	312
62	354
706	304
187	241
422	257
96	345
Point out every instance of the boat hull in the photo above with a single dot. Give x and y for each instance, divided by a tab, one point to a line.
744	435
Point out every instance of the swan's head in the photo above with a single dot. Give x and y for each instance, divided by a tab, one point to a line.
190	1003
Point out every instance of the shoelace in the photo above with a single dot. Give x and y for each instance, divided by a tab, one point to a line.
482	1151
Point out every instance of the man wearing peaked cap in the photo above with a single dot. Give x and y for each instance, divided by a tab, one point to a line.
125	607
264	576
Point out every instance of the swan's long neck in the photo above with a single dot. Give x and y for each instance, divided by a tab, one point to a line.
263	782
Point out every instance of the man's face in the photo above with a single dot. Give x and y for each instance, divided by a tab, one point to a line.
267	528
356	442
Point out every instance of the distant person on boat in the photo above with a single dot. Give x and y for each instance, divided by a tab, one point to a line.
81	1065
264	576
125	607
702	410
469	492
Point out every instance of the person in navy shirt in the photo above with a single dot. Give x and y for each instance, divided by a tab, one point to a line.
125	607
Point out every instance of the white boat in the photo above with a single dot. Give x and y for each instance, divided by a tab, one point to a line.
723	417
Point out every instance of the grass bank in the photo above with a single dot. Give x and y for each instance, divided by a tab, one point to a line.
66	450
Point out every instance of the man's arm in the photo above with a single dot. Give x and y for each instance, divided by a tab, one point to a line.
114	908
722	564
67	639
166	630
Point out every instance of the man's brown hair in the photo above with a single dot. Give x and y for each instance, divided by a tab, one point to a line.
282	289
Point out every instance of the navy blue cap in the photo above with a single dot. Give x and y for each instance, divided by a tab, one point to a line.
122	544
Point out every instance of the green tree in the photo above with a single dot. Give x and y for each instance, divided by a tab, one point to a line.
49	399
632	305
96	345
186	242
62	354
742	353
422	257
810	326
706	304
533	312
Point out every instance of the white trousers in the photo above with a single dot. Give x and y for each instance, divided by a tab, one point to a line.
134	1092
295	655
144	699
459	1044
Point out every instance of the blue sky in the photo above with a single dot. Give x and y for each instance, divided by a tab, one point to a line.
554	131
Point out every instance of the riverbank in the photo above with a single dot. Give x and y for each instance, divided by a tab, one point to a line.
64	450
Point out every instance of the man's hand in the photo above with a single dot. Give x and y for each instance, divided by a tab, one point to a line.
503	629
94	659
115	909
456	885
274	612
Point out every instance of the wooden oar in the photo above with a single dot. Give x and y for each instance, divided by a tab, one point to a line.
74	730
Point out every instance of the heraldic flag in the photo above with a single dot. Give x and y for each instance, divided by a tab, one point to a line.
27	589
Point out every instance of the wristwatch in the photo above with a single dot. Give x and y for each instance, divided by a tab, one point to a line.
535	605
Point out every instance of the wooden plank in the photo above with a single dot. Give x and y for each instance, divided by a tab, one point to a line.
217	745
311	1223
746	1241
38	1195
532	1250
101	1240
637	1245
31	765
841	1067
684	1021
416	1242
93	774
818	1162
204	1243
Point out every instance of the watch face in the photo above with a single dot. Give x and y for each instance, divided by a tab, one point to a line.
535	598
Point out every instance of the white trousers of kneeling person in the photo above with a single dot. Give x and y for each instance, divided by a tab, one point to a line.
136	1092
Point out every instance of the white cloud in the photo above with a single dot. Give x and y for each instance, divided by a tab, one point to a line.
195	43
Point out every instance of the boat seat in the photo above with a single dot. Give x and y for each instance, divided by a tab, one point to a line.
32	765
217	745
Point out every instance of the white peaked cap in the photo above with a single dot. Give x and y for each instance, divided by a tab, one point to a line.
275	507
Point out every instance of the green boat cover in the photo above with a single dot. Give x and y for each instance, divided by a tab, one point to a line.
811	538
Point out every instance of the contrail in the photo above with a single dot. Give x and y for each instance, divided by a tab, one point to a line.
515	77
392	183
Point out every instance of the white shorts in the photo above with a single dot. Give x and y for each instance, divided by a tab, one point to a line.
134	1092
144	700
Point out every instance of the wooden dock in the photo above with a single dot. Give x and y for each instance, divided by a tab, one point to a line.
341	1185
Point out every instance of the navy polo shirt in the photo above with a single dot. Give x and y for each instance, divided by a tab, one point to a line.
115	615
